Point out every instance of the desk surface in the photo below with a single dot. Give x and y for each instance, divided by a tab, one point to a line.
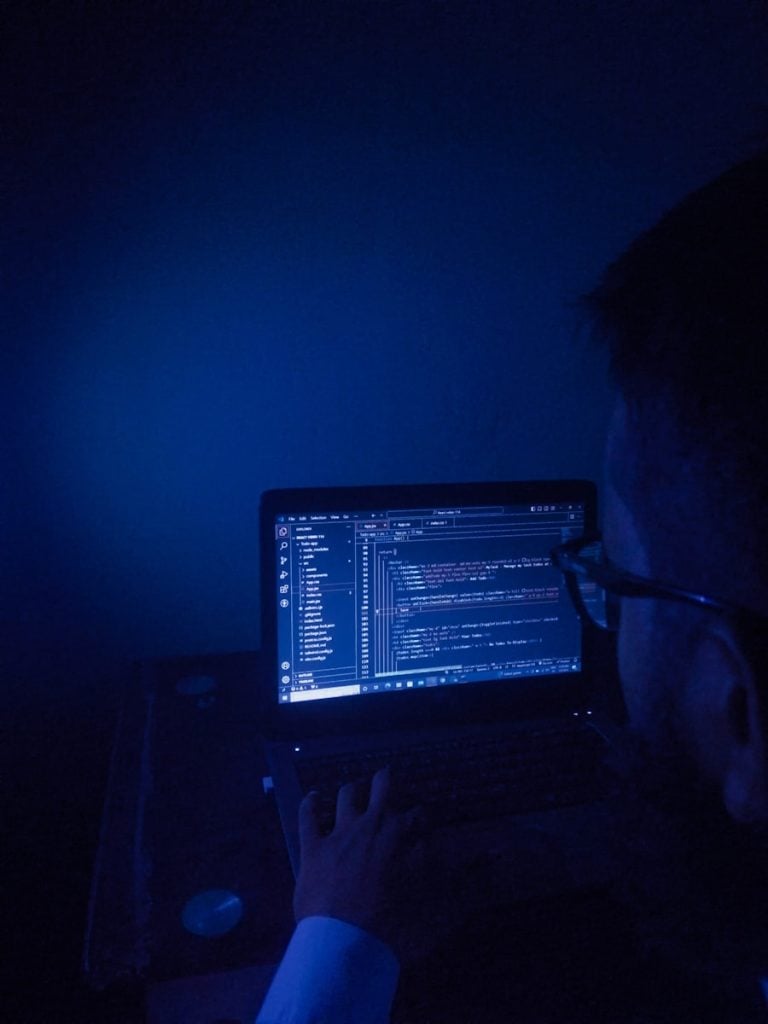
186	813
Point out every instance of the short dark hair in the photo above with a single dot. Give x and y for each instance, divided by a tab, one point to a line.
684	313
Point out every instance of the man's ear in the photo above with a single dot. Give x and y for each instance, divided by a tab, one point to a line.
723	706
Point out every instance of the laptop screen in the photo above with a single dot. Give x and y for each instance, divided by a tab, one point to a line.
406	596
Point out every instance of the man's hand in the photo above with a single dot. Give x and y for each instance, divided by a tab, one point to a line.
354	873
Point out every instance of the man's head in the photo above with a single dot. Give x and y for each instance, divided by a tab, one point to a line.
684	312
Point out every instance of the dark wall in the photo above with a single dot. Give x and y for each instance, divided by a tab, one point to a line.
280	244
253	245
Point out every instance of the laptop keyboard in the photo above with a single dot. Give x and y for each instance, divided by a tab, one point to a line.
472	777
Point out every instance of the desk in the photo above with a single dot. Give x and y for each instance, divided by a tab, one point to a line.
185	812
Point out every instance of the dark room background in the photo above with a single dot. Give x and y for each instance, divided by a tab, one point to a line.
249	245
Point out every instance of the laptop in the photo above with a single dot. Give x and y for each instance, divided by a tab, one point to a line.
399	617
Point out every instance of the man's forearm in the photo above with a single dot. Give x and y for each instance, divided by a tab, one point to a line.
332	973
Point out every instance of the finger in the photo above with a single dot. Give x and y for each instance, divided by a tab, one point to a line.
346	804
380	789
309	821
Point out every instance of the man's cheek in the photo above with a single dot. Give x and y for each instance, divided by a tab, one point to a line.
635	665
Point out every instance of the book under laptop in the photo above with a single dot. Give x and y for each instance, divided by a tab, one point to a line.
424	626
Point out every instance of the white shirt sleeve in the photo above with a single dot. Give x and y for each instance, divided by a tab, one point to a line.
332	973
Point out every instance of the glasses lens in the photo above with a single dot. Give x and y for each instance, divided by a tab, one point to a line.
594	602
600	606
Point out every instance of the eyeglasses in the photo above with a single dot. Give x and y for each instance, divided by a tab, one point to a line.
596	585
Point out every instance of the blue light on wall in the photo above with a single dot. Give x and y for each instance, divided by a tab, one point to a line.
342	254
